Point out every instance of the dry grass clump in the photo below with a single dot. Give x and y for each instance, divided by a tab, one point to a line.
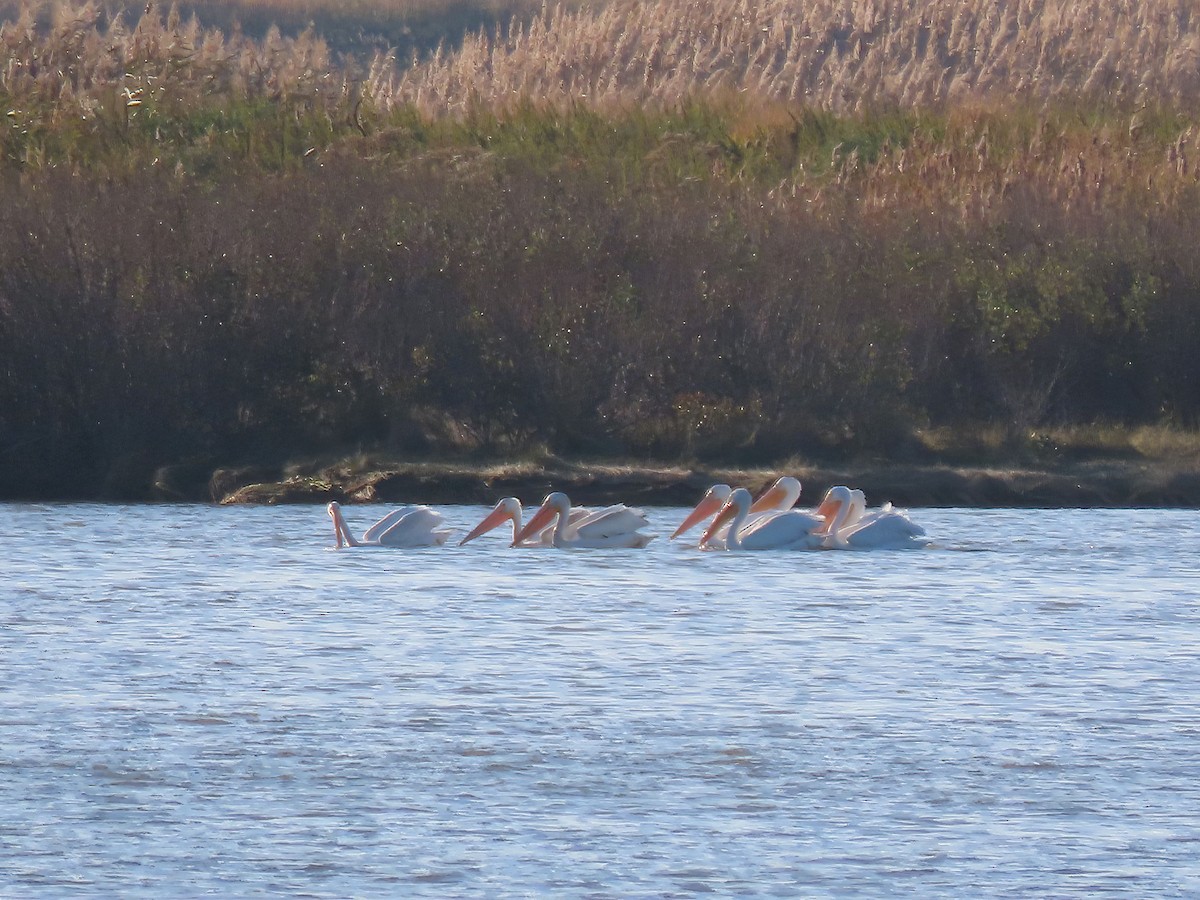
1164	443
360	27
366	10
352	28
981	444
82	57
841	55
80	87
978	161
828	55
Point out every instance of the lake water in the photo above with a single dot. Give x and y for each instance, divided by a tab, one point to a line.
203	700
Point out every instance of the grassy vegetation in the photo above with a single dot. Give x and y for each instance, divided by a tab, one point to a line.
831	54
350	28
218	247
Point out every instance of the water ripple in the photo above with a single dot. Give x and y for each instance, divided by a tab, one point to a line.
202	700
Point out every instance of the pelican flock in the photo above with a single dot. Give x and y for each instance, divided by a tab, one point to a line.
790	529
509	509
779	497
852	527
611	527
736	521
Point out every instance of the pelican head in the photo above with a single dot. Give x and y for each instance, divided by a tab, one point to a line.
738	504
712	501
835	507
506	510
783	494
340	532
555	504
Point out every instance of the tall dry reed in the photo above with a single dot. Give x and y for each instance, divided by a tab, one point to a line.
80	56
842	55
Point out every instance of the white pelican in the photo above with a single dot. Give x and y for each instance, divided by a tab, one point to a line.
852	528
791	529
613	526
781	496
509	510
409	526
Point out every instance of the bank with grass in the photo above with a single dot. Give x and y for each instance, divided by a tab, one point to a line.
1150	468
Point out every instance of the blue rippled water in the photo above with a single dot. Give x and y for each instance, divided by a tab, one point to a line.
203	700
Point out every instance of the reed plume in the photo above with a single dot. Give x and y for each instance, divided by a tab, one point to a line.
839	55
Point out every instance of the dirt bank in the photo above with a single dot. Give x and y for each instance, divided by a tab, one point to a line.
1086	484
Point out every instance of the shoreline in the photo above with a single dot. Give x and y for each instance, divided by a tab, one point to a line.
1084	484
